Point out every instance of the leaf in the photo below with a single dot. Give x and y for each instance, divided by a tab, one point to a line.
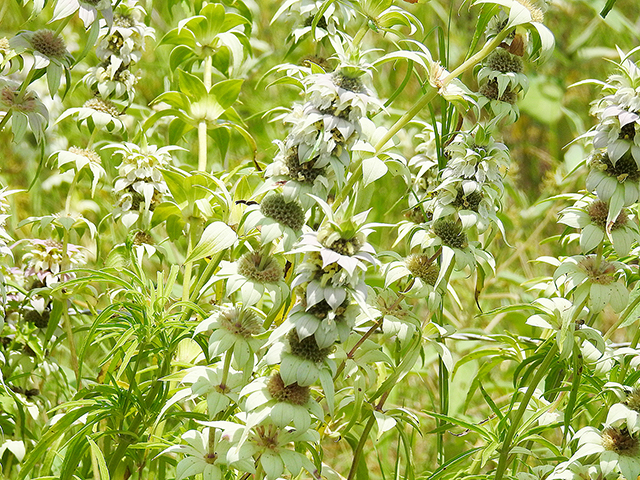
226	92
216	237
607	8
384	423
191	85
372	169
98	460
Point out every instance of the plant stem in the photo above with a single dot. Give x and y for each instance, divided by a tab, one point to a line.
202	126
63	24
432	92
443	384
422	103
623	317
72	347
352	352
186	282
25	84
365	435
5	119
515	421
67	203
204	277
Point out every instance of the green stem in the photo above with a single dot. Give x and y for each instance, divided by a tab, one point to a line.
225	369
67	203
357	454
515	420
360	447
149	400
352	352
443	384
202	146
64	23
202	126
92	138
72	347
362	31
432	92
623	317
5	119
422	103
186	282
25	84
206	274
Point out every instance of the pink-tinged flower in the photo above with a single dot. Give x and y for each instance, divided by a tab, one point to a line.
49	261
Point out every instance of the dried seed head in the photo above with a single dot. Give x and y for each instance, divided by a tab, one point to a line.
620	441
598	212
9	97
599	271
142	238
102	105
40	320
302	172
450	233
492	92
48	43
422	267
307	348
504	62
353	84
289	214
259	268
468	202
625	168
633	400
294	393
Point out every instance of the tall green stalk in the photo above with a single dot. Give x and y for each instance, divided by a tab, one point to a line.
516	418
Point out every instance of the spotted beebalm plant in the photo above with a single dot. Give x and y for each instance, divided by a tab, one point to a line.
295	239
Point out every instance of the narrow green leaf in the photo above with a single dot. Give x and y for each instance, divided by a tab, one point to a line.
607	8
98	457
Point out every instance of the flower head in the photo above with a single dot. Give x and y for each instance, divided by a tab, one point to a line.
48	260
46	46
27	106
277	217
80	158
97	112
615	446
591	215
617	112
335	257
283	405
235	329
562	316
594	280
206	453
252	275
